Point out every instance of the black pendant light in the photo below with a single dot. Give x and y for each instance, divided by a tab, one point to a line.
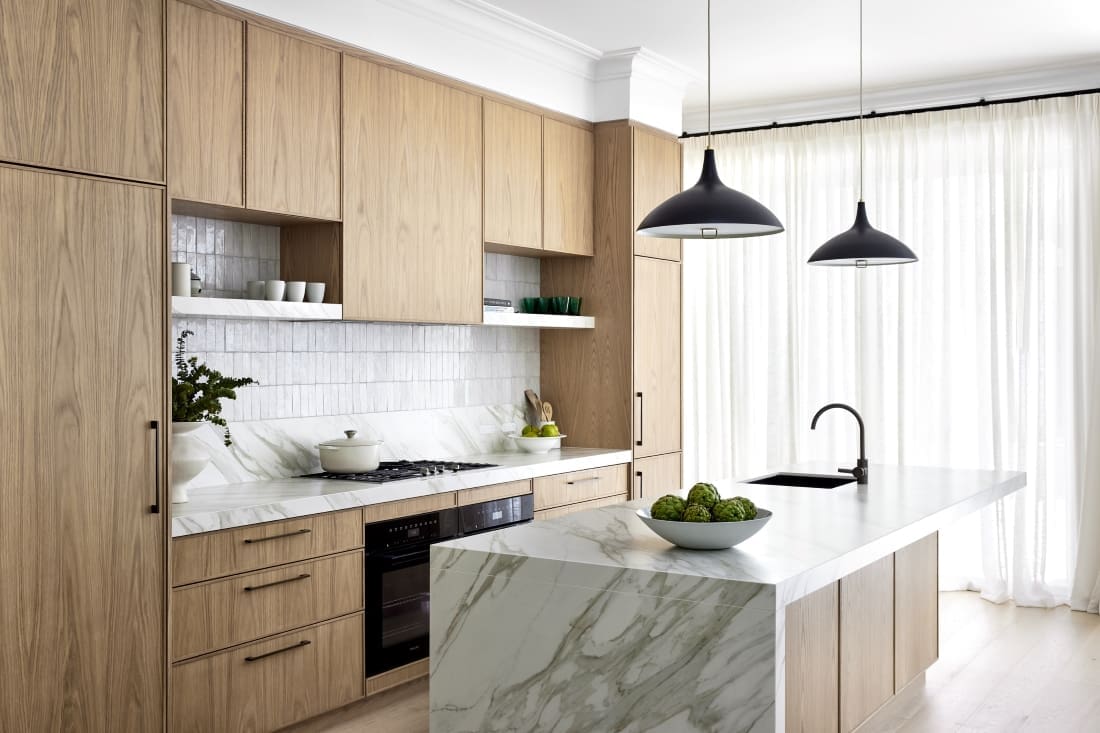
709	209
862	245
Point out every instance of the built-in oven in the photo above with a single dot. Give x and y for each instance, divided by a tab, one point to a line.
398	612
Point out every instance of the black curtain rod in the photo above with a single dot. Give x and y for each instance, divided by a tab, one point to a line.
983	102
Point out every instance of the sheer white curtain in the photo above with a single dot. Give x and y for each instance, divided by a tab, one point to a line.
982	355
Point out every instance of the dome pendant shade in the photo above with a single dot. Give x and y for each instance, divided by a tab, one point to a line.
709	210
862	246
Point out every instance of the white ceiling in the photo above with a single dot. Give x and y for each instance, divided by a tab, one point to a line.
774	51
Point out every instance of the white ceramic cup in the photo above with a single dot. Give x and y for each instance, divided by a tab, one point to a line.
256	289
295	290
275	289
181	279
315	292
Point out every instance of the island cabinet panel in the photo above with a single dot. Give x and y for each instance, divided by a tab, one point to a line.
657	175
866	641
578	486
916	609
272	683
83	86
293	126
218	614
205	106
657	475
812	632
83	359
218	554
412	190
656	356
513	176
569	179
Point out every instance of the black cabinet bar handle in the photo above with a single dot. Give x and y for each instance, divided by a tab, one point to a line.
303	576
295	533
641	419
154	425
299	645
582	480
641	485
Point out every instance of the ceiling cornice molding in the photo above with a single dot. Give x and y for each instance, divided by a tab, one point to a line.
1024	83
626	62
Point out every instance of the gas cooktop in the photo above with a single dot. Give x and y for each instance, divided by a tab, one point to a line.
399	470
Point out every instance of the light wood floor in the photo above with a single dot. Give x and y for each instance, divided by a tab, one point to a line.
1001	668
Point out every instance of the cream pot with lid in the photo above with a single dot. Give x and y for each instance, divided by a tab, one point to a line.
349	454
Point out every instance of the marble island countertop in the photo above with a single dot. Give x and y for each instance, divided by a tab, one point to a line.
815	536
236	505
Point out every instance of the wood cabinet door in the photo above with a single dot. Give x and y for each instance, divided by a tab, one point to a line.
657	475
657	328
205	106
569	179
916	609
866	641
812	639
293	126
412	193
513	176
83	357
657	175
83	86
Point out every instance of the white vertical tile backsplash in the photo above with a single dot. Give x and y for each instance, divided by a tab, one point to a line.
309	369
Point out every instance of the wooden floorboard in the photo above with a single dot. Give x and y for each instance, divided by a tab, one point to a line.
1001	668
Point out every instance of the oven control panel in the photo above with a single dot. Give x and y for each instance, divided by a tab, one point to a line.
497	513
421	529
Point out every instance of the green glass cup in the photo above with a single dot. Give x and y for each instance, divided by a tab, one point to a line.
560	305
528	305
574	306
543	305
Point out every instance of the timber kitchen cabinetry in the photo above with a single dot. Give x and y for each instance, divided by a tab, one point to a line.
618	385
412	244
657	475
568	179
658	172
513	176
82	545
83	86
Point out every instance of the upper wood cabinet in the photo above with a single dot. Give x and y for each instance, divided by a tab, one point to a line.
83	86
293	126
657	176
656	356
82	557
569	160
513	176
412	242
205	106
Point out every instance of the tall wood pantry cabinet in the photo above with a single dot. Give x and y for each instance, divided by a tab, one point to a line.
618	385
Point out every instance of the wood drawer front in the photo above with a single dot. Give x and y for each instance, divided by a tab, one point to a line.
570	488
496	491
218	554
561	511
219	614
408	507
273	683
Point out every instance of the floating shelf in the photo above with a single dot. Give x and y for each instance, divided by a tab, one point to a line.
264	310
536	320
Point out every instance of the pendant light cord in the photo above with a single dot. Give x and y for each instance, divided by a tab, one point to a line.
708	72
862	156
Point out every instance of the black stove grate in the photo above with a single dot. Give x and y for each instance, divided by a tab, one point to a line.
401	470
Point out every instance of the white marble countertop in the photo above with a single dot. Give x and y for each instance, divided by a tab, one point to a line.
815	536
236	505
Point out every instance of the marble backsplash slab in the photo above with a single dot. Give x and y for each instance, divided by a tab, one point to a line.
275	449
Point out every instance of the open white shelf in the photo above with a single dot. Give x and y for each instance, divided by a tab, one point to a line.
536	320
267	310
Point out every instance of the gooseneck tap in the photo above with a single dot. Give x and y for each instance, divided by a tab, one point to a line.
860	471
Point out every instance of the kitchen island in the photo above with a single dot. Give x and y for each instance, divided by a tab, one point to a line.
592	623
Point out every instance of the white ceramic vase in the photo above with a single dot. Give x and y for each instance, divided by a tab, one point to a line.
189	457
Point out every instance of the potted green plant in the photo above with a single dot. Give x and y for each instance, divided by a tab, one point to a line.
197	394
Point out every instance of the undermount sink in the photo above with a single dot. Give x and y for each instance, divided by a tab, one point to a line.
809	480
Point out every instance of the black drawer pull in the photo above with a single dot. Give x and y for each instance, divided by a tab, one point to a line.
303	576
582	480
299	645
641	419
295	533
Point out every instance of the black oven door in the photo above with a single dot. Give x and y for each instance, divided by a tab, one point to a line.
397	612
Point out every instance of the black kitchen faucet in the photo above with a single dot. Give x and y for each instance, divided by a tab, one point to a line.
860	471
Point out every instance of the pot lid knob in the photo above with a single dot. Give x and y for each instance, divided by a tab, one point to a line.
350	433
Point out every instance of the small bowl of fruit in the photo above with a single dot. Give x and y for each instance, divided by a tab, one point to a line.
704	520
539	440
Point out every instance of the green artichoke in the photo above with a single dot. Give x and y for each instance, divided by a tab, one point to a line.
750	508
729	510
669	507
696	513
704	495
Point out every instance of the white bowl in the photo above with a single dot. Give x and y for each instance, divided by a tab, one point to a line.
706	535
537	445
